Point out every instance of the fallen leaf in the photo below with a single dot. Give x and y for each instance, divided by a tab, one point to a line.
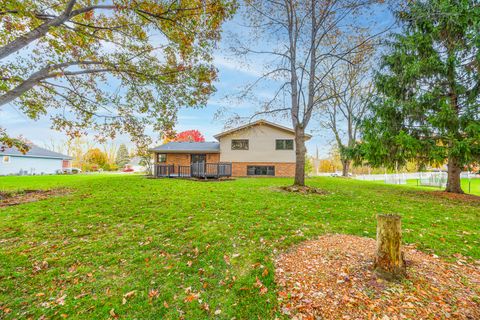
153	293
191	297
258	283
130	294
263	290
61	300
113	314
83	294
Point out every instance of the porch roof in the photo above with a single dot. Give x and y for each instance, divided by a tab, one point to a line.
188	147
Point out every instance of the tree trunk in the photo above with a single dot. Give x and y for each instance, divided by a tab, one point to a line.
389	260
300	151
453	180
345	167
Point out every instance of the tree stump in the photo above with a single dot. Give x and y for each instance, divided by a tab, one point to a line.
389	259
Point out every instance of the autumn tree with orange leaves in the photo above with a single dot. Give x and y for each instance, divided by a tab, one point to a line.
190	136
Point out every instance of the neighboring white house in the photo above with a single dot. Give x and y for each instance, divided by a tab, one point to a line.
36	161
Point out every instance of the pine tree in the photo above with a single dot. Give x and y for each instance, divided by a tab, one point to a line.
427	103
122	157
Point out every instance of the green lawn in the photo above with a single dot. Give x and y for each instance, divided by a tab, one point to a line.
191	241
471	186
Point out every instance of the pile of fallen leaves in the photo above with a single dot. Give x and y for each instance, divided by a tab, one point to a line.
303	190
332	278
10	198
470	198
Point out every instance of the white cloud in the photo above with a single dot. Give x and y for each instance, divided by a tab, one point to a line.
235	65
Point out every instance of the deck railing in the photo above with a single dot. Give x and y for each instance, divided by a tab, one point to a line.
197	170
164	170
184	171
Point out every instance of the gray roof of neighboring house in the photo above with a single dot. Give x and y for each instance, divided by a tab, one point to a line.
188	147
34	152
135	161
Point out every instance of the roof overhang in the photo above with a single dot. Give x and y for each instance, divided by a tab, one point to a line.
256	123
34	156
184	151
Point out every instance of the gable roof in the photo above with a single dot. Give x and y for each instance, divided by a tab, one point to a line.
188	147
256	123
34	152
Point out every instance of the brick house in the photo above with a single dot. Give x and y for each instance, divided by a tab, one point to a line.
260	148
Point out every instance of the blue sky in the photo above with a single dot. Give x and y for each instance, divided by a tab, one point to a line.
233	76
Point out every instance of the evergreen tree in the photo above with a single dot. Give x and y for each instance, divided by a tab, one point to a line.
427	103
122	157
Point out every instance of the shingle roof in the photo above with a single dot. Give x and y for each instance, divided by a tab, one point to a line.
256	123
34	152
188	147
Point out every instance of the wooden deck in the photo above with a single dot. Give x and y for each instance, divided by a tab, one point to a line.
195	170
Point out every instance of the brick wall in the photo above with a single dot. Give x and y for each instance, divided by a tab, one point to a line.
282	169
183	159
178	159
213	157
239	169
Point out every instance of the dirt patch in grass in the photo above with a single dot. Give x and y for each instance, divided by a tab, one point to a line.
332	278
304	190
194	179
11	198
211	179
456	196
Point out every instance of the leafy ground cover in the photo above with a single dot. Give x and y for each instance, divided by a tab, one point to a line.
332	277
130	247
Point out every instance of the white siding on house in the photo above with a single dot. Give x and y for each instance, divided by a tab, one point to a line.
29	165
261	139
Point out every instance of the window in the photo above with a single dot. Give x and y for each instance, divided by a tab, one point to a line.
161	157
284	144
260	170
6	159
199	158
240	144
